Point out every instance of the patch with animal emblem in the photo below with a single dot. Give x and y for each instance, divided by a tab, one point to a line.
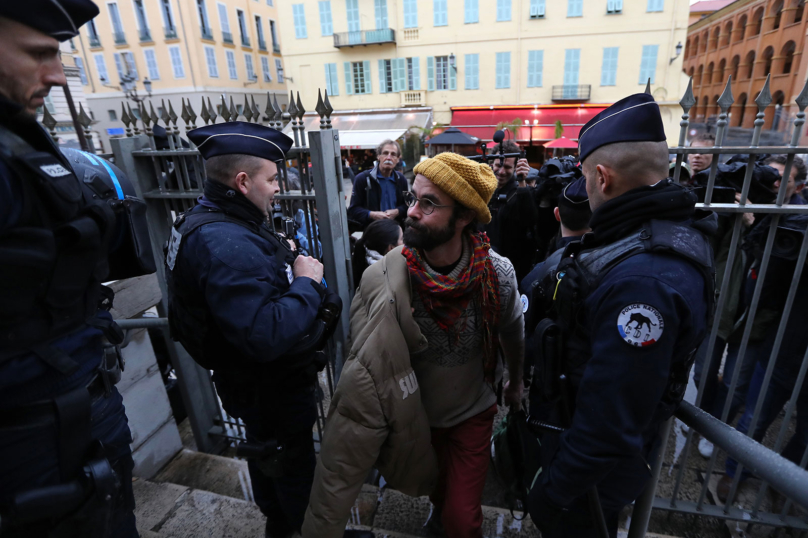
640	325
525	303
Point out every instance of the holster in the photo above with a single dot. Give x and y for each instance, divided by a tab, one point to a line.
549	354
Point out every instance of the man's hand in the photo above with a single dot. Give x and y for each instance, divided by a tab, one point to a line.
748	218
391	213
378	215
513	394
308	267
522	170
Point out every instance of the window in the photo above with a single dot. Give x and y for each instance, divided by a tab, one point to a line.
176	62
535	65
614	6
224	22
202	11
259	31
300	21
269	3
82	72
331	82
503	10
242	28
575	8
168	18
279	69
608	73
151	64
210	58
142	24
101	67
326	25
230	56
537	9
472	12
655	5
265	69
385	76
472	72
441	72
125	65
648	64
441	15
413	74
381	14
92	33
352	11
273	35
117	27
49	104
410	13
248	63
572	64
357	77
503	70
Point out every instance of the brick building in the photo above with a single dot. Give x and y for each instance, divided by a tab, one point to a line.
748	39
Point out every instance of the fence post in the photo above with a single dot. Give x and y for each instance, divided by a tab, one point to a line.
333	224
641	514
198	394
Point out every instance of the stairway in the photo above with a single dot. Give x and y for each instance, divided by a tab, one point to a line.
200	495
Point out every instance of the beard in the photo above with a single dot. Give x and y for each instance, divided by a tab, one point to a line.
421	237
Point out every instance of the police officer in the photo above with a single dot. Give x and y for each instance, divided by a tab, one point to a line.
65	461
628	306
241	301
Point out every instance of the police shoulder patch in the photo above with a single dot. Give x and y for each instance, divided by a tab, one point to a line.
640	325
525	303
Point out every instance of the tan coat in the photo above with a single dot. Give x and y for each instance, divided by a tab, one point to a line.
376	418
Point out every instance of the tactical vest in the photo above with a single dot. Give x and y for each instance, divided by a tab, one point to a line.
54	258
189	317
579	272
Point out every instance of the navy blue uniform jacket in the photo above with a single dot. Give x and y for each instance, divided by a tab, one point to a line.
367	195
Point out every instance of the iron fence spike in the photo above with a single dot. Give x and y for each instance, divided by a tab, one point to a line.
47	119
204	113
233	110
133	118
153	115
648	86
212	112
192	112
328	108
84	119
278	111
270	111
300	109
320	108
171	114
125	116
164	113
247	110
144	116
255	111
290	108
726	99
802	98
225	112
184	112
688	99
764	98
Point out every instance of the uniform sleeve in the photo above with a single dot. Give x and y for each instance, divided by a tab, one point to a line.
251	305
10	199
621	385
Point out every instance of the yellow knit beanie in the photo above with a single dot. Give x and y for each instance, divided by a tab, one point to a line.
468	182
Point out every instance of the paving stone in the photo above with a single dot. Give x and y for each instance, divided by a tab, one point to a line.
153	502
205	514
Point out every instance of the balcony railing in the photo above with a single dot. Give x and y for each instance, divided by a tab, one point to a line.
572	92
413	98
94	41
207	33
276	48
262	45
364	37
170	33
120	38
227	37
245	41
145	35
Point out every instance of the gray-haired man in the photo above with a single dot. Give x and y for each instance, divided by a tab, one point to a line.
379	193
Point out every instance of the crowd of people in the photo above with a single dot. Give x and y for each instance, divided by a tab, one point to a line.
582	292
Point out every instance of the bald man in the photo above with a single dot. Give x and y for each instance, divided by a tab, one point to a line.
630	303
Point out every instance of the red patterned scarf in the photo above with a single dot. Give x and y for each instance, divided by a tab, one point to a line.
446	298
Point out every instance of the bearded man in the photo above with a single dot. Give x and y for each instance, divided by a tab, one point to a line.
430	324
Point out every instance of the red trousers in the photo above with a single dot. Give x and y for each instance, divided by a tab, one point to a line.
463	453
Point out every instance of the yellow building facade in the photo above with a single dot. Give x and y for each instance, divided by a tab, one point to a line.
184	48
450	54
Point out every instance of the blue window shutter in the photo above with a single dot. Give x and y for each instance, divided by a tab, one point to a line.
326	27
472	11
618	5
399	74
368	86
608	75
575	8
648	64
381	14
440	16
535	61
503	73
472	72
503	10
300	21
416	73
348	79
382	85
352	11
410	13
430	73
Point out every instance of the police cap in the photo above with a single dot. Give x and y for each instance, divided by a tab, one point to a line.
60	19
241	138
574	194
633	119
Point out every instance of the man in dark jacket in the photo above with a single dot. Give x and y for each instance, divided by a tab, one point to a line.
240	300
379	193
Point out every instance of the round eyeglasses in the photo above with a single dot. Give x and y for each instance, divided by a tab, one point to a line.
426	205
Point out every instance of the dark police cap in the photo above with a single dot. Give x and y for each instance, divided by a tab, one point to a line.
574	194
242	138
633	119
60	19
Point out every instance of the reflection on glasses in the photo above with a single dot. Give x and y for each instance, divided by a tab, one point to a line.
425	205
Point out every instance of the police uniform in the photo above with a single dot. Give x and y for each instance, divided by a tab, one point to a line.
65	227
238	310
627	308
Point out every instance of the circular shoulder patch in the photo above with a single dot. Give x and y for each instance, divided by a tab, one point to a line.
640	325
525	303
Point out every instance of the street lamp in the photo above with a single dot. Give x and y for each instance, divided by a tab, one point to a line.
129	87
678	52
452	62
280	75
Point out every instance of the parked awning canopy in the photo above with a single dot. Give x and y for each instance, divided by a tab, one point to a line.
538	121
365	129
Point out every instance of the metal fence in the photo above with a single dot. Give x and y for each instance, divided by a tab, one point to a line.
772	470
168	173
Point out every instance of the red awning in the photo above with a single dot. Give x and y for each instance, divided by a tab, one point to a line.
481	121
562	142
